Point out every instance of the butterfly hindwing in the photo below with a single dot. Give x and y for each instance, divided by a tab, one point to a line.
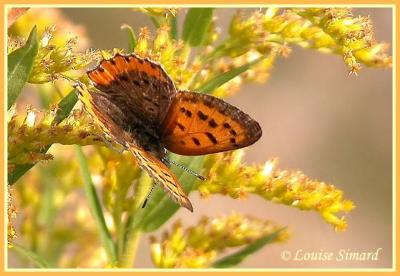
199	124
110	122
162	175
139	86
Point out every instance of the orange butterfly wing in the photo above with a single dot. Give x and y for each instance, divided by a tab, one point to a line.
138	86
162	175
198	124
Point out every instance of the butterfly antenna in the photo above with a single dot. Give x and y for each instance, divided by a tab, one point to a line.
147	197
184	168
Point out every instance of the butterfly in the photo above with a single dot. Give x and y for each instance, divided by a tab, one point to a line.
137	104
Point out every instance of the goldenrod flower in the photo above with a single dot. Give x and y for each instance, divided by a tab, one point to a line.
30	133
45	19
352	37
228	175
199	246
329	30
58	52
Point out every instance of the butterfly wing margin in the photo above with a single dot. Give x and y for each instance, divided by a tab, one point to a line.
198	124
162	175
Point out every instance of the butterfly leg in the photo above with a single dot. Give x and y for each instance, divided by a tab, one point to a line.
148	196
166	161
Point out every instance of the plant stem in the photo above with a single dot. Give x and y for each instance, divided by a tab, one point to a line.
128	257
132	230
95	207
120	236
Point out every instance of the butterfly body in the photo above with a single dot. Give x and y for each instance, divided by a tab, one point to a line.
138	105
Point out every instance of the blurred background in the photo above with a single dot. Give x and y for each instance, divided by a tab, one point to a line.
315	117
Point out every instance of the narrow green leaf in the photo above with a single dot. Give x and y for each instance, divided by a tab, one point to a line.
196	25
19	171
238	257
30	255
65	107
173	22
160	207
219	80
131	37
95	207
156	21
20	63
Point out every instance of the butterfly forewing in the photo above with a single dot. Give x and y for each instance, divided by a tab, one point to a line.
199	124
139	86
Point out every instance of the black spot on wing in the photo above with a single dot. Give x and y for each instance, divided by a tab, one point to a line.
212	123
196	141
181	127
212	138
226	125
202	116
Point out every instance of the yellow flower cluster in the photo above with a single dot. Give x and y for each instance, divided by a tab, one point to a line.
44	18
30	133
353	36
199	246
58	50
329	30
228	175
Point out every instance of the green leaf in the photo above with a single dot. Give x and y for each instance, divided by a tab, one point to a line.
173	22
160	207
196	25
20	63
95	207
219	80
238	257
156	21
131	37
19	171
65	107
30	255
